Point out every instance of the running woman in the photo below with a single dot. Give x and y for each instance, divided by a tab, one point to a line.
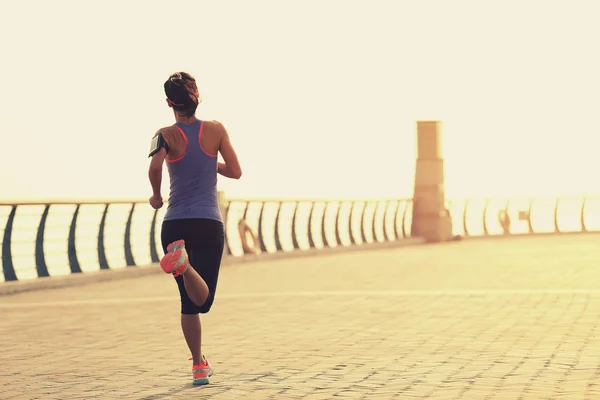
192	231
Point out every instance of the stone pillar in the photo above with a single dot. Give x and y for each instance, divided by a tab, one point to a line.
431	220
223	208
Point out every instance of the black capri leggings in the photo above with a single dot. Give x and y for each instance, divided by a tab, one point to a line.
204	242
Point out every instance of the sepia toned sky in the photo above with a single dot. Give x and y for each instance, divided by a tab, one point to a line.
320	97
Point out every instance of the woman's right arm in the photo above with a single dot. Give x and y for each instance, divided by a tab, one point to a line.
231	167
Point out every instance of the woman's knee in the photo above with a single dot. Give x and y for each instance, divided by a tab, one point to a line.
205	308
189	307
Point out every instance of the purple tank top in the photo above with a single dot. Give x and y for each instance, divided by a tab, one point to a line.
193	179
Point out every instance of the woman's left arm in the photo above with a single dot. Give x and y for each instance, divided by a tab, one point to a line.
158	154
155	171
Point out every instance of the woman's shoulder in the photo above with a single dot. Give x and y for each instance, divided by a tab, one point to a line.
214	128
168	132
214	124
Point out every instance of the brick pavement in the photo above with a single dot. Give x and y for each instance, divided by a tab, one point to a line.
484	319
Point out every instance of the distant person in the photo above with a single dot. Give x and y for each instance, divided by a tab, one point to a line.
192	231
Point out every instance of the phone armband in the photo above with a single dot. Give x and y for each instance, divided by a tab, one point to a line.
157	143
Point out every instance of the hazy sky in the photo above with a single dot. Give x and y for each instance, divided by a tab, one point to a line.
320	96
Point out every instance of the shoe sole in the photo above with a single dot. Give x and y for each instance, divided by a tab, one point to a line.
201	381
174	258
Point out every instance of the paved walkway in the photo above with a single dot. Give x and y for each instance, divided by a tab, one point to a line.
484	319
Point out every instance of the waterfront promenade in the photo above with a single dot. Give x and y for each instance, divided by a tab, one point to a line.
508	318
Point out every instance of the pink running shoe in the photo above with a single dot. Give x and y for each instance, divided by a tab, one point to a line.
176	260
202	372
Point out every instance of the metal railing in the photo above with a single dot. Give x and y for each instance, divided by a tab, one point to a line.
288	225
51	239
525	216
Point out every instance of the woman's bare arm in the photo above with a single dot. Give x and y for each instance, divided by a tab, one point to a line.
155	171
156	163
231	167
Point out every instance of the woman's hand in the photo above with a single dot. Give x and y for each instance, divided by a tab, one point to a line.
156	201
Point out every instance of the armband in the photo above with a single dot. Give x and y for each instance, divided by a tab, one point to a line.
157	143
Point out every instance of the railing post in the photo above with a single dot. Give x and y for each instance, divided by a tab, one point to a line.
384	205
411	202
246	206
386	236
338	238
583	227
311	241
350	229
374	222
261	240
7	262
465	229
40	259
323	218
485	207
127	242
556	227
294	238
276	228
102	260
362	223
378	212
73	262
396	213
153	253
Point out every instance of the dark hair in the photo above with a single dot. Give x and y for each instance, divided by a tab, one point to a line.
181	89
